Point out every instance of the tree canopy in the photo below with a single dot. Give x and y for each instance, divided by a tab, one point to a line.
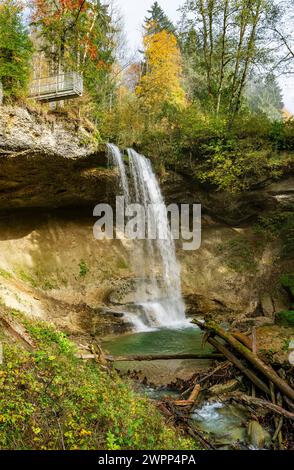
222	40
15	50
78	35
161	84
158	21
264	96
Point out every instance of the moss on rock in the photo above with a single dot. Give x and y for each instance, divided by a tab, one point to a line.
286	317
287	282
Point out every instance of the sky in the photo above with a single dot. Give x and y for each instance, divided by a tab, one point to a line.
134	12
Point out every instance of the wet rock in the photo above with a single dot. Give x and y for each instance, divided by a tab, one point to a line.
109	312
198	304
258	437
248	323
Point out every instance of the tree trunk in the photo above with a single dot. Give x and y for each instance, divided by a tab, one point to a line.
205	47
252	358
164	357
222	64
195	393
239	364
248	59
239	397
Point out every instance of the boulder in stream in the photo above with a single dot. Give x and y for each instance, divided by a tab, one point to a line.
258	437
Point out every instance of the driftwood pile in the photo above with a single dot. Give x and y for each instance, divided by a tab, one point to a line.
269	392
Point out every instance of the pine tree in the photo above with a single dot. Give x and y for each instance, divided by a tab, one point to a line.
15	51
264	96
159	21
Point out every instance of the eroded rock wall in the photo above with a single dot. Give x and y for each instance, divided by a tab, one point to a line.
51	176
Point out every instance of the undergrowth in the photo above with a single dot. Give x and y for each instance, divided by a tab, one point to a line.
49	399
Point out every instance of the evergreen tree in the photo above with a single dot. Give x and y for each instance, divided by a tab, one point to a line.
264	96
222	43
15	50
158	21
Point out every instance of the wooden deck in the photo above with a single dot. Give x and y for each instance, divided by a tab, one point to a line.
57	87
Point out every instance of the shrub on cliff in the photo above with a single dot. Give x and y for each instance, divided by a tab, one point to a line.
15	51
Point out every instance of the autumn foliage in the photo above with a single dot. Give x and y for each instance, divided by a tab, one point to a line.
162	81
72	31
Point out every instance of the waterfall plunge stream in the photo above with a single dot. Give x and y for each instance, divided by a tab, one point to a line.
153	261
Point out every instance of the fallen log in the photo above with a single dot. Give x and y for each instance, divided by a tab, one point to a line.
164	357
86	357
279	425
259	402
183	403
243	339
195	393
247	354
192	398
289	403
222	389
273	398
239	364
18	331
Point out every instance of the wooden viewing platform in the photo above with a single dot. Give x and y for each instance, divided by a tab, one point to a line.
57	87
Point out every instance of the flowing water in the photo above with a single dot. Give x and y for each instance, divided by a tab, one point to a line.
154	260
225	424
115	157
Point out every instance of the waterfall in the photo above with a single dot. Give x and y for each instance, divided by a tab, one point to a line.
154	261
115	156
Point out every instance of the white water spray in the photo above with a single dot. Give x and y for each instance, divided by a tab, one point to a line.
114	154
154	261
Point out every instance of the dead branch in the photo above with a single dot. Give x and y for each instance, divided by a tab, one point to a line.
259	402
239	364
247	354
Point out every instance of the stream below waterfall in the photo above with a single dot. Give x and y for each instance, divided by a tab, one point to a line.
224	424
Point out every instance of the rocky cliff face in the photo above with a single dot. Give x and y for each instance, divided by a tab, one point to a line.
51	176
49	164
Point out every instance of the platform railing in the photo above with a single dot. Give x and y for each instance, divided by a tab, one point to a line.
61	86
